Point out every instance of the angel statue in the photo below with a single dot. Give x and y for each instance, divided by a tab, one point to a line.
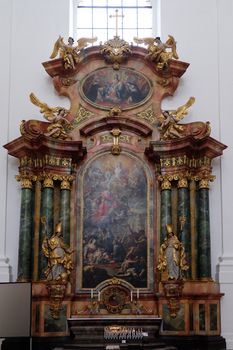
58	254
169	119
56	116
68	52
158	50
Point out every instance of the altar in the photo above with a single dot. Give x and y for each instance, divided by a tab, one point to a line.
124	331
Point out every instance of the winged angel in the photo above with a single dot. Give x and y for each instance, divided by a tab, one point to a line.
68	52
169	119
158	50
56	116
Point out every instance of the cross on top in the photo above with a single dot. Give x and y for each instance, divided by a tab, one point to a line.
116	16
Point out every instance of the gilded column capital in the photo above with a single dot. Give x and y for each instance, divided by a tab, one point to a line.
203	183
183	183
65	184
166	185
48	183
26	180
203	179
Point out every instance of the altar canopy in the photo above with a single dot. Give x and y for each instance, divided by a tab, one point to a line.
115	193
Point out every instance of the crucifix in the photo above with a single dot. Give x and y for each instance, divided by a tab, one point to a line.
116	16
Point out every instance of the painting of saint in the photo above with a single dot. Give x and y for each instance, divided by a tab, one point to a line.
115	237
125	88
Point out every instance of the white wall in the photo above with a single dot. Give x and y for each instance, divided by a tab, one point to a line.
203	31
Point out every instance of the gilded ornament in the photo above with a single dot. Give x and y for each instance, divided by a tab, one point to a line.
82	115
115	51
147	115
183	183
168	121
116	150
48	183
158	51
56	116
65	185
203	183
172	257
26	183
166	185
70	54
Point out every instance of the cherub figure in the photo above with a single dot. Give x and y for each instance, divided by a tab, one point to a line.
68	52
56	116
157	50
169	119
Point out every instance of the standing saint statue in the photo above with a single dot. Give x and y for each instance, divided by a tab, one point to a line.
172	258
59	256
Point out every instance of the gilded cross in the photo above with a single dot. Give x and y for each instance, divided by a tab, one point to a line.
116	16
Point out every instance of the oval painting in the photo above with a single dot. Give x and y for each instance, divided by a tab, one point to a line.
105	88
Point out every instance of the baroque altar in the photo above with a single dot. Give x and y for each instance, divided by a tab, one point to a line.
115	194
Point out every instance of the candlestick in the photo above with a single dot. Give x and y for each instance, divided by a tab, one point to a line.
98	296
131	296
137	293
91	293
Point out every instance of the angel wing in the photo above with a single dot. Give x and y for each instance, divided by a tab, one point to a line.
182	110
146	41
172	43
83	42
58	44
49	113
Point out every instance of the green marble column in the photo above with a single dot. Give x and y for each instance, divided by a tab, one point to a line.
65	210
25	234
184	220
47	210
204	258
166	209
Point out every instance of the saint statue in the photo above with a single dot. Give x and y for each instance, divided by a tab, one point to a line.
172	258
59	256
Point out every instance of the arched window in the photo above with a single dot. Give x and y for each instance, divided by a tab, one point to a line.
107	18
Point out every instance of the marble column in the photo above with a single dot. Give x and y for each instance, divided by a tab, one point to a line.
166	209
47	211
65	210
25	234
184	219
204	258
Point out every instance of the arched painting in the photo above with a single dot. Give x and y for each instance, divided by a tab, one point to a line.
126	88
115	221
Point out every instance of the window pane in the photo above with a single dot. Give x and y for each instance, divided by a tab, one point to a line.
84	33
130	3
114	2
130	18
101	35
145	33
84	18
144	3
144	18
129	34
99	2
85	3
112	33
99	18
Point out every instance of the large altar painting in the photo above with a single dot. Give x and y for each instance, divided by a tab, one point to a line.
125	88
115	221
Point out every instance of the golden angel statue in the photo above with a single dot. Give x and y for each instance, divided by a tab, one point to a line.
56	116
172	257
68	52
157	50
168	121
58	254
